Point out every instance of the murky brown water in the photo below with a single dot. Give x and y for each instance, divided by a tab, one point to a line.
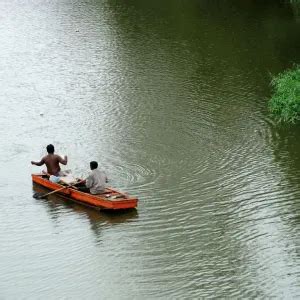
171	100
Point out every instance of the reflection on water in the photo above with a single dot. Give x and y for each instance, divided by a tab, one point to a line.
170	97
57	206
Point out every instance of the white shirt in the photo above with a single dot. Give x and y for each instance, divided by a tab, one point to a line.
96	181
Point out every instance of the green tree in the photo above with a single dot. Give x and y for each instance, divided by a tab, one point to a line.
285	102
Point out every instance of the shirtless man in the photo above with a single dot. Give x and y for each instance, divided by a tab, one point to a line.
52	161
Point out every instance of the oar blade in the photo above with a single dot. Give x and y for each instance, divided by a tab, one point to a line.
37	196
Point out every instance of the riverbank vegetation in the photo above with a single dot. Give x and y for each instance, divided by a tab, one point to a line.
285	102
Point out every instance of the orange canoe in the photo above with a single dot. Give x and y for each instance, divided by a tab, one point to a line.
111	199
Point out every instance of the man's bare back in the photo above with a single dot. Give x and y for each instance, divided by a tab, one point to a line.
52	161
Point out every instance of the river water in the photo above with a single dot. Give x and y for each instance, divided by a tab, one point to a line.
170	97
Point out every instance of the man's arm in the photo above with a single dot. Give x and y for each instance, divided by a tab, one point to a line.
89	181
64	160
40	163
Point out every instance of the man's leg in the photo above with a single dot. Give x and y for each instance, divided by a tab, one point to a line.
83	189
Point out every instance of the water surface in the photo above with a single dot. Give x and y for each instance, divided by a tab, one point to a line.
171	99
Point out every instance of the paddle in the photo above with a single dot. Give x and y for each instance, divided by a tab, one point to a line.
39	196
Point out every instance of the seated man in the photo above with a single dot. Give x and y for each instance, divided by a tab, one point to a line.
52	161
95	182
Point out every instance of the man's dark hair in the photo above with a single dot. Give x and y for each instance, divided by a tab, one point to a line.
50	149
93	165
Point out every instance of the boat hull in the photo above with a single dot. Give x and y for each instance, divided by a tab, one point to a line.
110	200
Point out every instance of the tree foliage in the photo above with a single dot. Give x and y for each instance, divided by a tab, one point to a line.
285	102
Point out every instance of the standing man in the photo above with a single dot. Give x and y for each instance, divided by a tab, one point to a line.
52	161
95	182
